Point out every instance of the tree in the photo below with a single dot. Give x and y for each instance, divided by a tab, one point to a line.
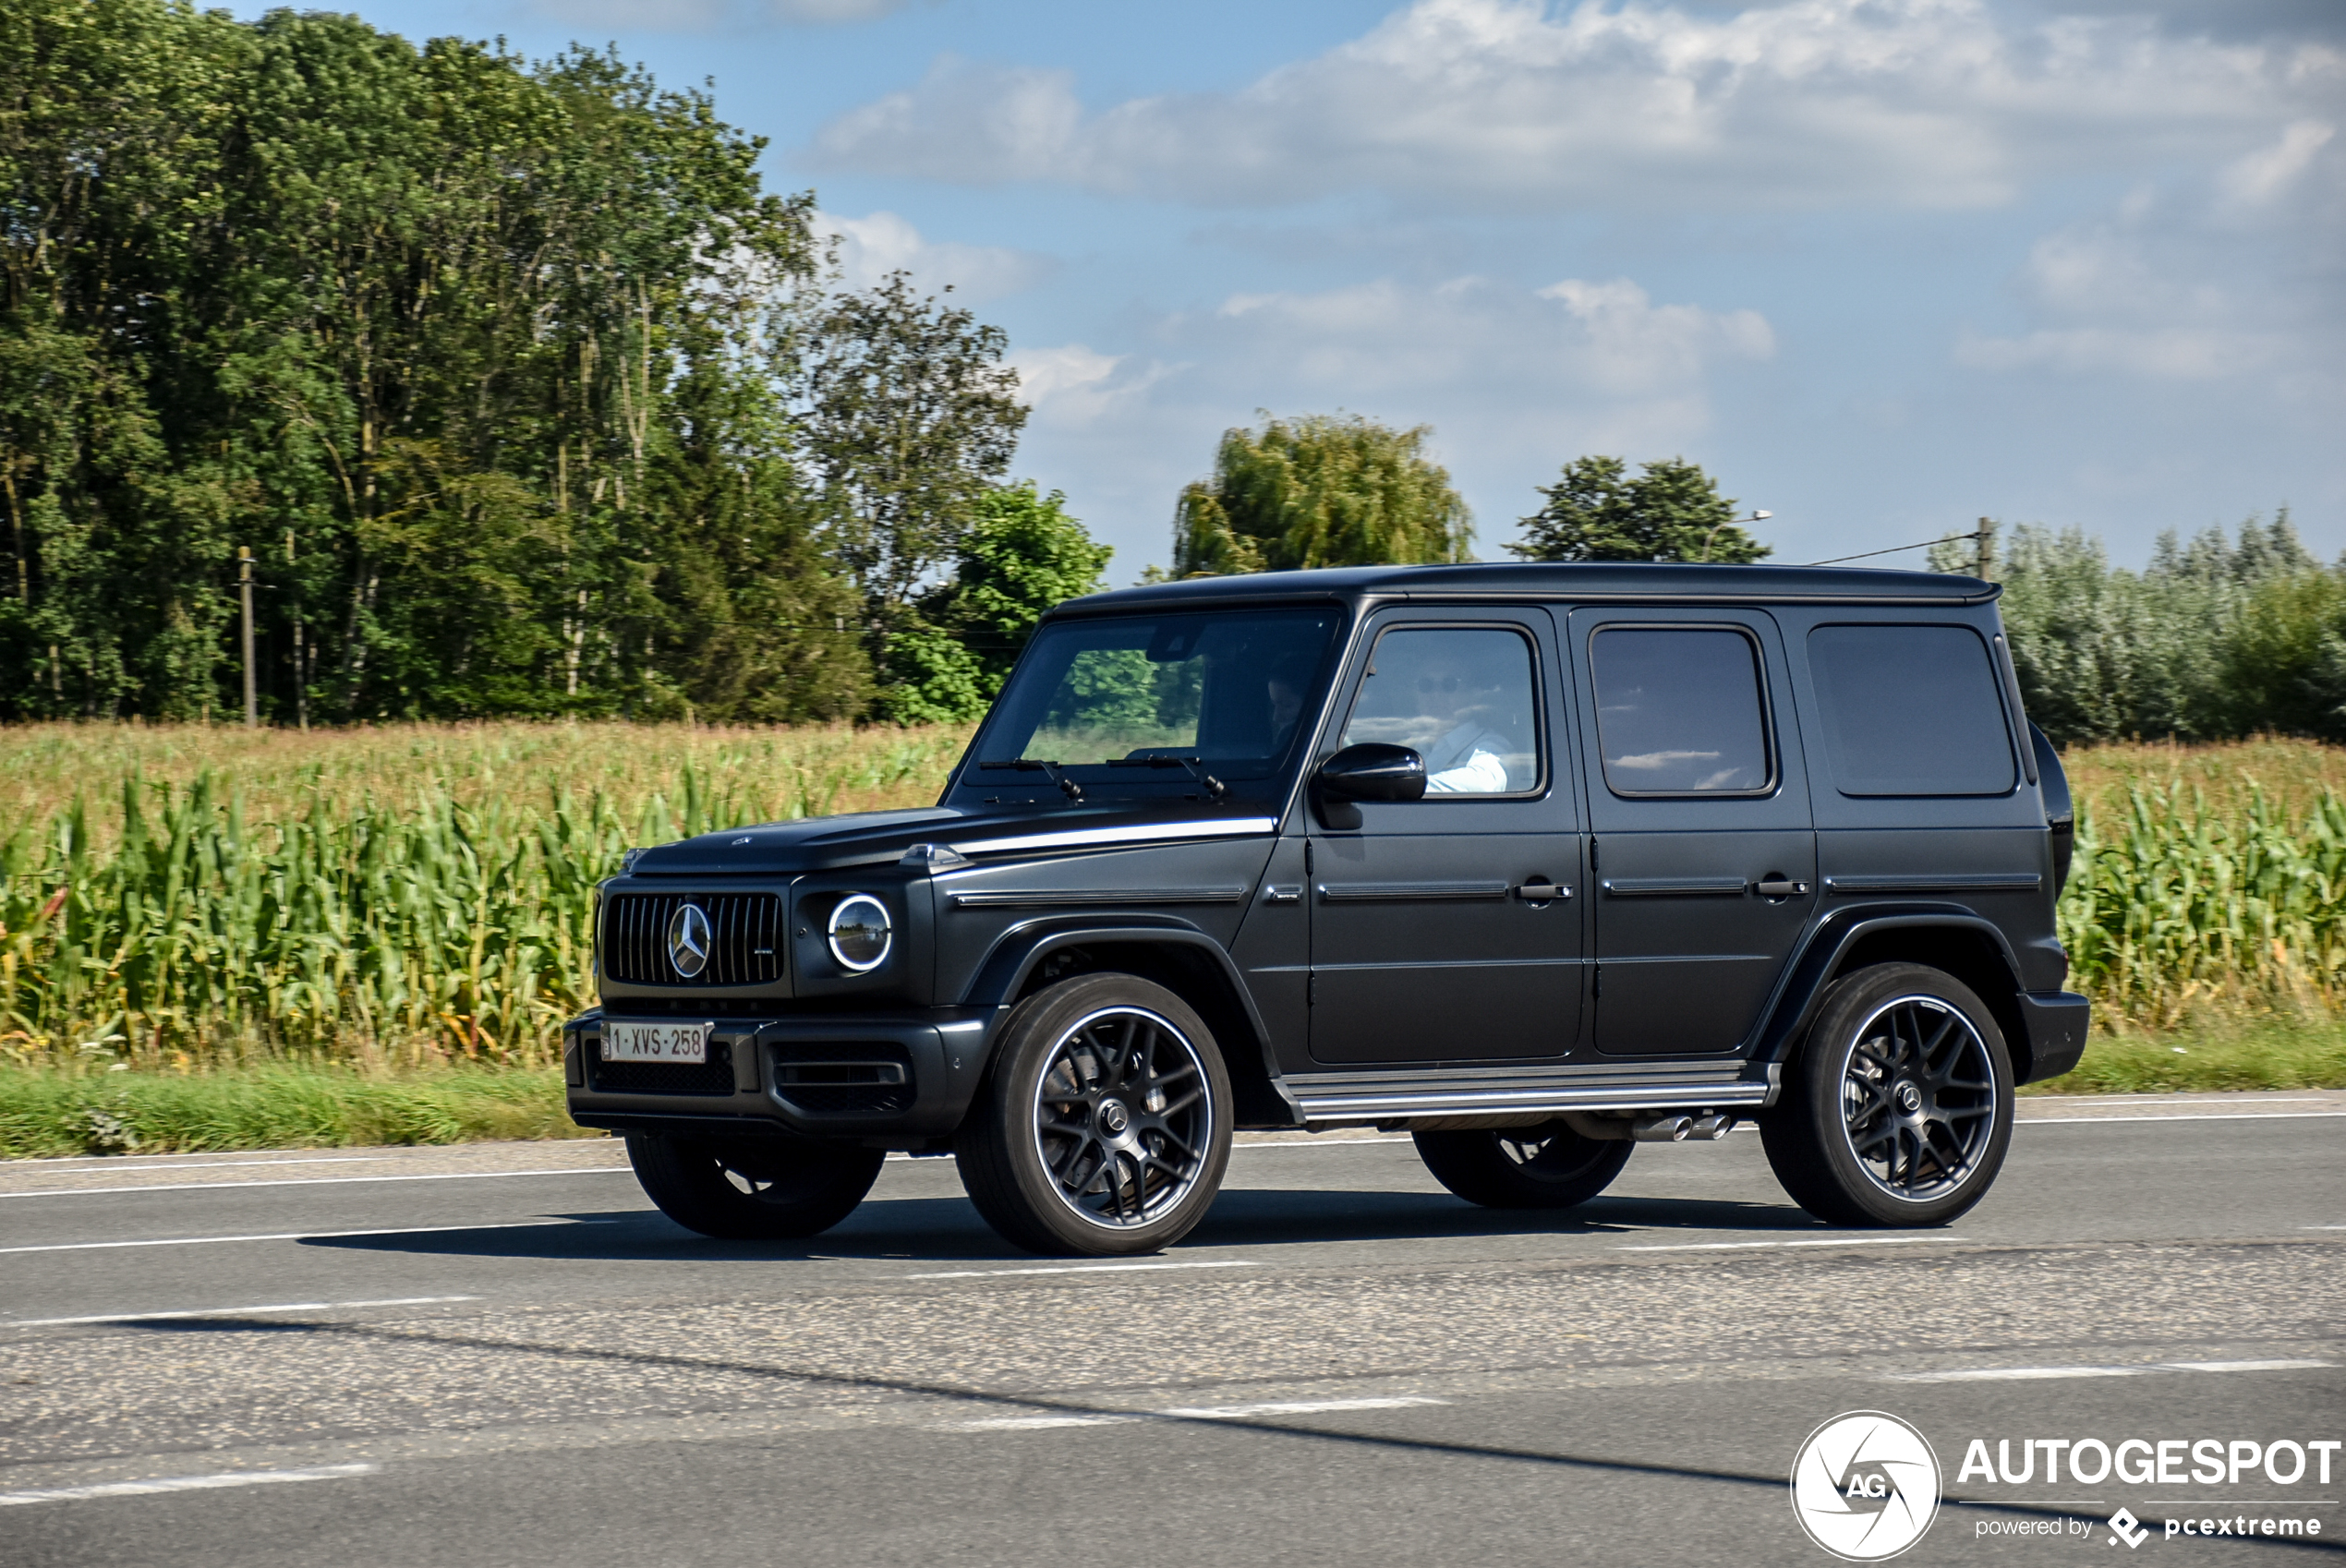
1022	555
1319	490
1672	510
911	418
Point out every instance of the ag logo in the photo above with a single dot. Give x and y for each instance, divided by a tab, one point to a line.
689	940
1865	1485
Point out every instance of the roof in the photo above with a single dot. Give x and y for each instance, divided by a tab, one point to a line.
1610	580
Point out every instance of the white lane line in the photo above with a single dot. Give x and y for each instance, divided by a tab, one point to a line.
2031	1374
182	1483
317	1181
1184	1413
290	1236
2202	1099
1087	1269
1746	1246
2322	1227
231	1312
2182	1117
117	1163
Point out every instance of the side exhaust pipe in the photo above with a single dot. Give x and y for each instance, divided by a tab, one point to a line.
1662	1129
1714	1125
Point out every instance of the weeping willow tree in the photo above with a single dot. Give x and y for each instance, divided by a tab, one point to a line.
1319	490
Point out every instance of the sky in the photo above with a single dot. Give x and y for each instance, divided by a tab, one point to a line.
1882	267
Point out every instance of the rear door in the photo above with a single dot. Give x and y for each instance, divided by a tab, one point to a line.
1449	929
1702	850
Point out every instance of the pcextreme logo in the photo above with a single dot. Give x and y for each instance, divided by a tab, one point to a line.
1865	1485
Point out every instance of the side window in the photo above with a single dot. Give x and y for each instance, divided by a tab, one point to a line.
1679	711
1910	710
1462	698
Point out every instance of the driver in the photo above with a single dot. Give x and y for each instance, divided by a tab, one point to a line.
1466	760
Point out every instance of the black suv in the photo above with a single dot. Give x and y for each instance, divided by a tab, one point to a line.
1537	862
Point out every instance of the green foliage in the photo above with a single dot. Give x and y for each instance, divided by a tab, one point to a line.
522	391
1319	490
2219	636
1672	510
1022	555
58	1113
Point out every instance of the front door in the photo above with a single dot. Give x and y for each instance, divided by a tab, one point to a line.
1702	855
1449	929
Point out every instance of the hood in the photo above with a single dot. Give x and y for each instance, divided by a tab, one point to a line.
826	843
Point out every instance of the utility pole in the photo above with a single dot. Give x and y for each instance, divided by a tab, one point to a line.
1985	539
244	581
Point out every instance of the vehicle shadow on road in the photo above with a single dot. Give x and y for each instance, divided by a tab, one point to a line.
947	1229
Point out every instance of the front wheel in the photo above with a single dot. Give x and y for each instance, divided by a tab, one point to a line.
1899	1105
1548	1166
753	1189
1105	1127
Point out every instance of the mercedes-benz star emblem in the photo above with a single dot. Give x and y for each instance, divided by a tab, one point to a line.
688	941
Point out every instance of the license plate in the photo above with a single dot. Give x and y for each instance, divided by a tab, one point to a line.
654	1041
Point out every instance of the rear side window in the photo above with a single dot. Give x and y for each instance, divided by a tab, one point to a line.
1679	711
1910	710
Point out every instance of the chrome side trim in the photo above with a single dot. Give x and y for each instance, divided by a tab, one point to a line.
1037	897
1337	1109
1924	882
1348	892
1145	833
1670	886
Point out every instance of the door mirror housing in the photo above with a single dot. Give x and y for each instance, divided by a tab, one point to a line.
1371	771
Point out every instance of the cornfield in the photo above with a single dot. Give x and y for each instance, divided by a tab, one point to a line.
416	895
431	905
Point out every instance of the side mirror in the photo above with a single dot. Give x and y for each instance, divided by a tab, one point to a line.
1372	771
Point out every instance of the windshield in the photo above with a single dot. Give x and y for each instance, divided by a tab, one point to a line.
1159	698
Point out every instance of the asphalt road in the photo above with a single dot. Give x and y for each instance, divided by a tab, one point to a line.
503	1355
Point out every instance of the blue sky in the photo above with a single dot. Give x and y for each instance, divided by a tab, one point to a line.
1881	266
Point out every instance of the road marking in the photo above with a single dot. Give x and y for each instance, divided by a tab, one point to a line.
231	1312
2190	1117
182	1483
316	1181
2203	1100
1184	1413
292	1235
2027	1374
116	1161
1742	1246
1087	1269
2324	1227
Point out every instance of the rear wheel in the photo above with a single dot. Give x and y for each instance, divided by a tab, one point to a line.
753	1189
1899	1105
1105	1127
1548	1166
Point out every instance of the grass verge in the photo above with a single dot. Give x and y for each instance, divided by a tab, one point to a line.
286	1106
2248	1056
272	1107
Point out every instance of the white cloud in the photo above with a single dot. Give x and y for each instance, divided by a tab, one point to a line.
1516	106
871	248
1074	385
2187	354
2270	172
694	16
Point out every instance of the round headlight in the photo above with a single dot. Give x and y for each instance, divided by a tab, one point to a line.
860	932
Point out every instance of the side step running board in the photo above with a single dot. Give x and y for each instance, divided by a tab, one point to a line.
1337	1110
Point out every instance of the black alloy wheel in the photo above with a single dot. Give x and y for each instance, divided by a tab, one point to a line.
753	1189
1547	1166
1899	1106
1105	1127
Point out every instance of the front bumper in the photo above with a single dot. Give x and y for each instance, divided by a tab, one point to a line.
900	1079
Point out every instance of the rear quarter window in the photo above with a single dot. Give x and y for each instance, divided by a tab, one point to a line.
1910	710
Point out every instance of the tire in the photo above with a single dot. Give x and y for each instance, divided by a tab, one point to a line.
1548	1166
1104	1126
1898	1106
753	1189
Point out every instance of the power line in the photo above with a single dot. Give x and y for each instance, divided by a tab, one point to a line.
1894	549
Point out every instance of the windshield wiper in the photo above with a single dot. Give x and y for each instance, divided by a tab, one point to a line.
1215	789
1051	770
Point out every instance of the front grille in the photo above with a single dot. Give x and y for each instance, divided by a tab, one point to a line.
714	1075
746	930
830	1078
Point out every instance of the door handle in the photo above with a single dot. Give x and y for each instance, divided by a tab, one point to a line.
1541	891
1776	885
